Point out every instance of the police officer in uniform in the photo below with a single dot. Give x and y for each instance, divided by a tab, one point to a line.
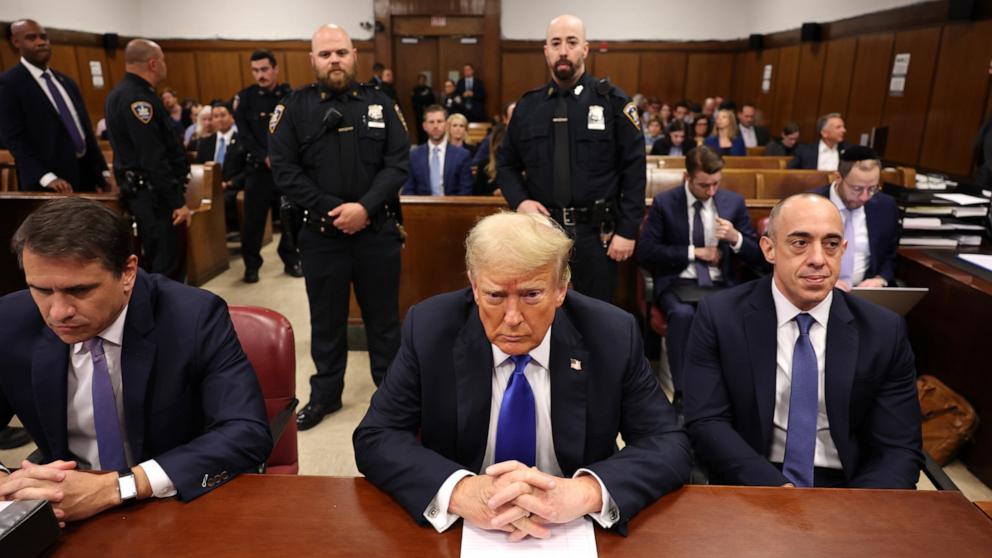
574	150
340	151
149	162
253	109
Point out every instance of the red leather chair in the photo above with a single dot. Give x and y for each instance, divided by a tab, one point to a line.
267	338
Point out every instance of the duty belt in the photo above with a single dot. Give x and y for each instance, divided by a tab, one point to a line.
594	214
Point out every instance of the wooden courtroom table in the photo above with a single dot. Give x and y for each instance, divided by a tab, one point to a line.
949	332
270	515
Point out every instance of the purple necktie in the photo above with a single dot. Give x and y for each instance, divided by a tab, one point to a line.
516	430
847	260
65	114
800	437
108	427
699	241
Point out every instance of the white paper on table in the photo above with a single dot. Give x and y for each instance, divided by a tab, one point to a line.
981	260
962	199
4	504
576	539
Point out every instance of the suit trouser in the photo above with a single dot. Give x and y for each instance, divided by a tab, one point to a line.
679	316
260	195
593	272
155	229
369	260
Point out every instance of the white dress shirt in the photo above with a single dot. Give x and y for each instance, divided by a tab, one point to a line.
827	157
80	427
788	331
442	149
37	73
539	377
469	83
862	254
708	215
750	138
227	141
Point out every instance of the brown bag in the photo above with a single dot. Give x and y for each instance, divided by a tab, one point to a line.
948	419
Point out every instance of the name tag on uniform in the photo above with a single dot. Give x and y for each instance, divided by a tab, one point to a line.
596	120
376	119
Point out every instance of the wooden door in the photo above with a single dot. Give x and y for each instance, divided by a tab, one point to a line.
454	53
413	56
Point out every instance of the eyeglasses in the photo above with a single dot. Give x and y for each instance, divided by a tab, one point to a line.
858	190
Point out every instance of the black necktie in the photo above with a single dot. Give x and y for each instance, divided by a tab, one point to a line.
562	168
699	241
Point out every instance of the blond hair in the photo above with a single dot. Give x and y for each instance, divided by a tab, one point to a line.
518	244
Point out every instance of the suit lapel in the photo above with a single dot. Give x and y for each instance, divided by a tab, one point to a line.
49	366
568	393
473	362
137	361
839	368
447	168
680	213
44	94
760	328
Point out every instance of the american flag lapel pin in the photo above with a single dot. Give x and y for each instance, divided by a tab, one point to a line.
575	364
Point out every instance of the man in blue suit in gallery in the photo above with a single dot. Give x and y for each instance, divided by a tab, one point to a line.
111	369
438	168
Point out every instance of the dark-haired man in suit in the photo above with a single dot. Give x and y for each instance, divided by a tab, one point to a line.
790	381
473	94
438	168
224	147
43	120
825	153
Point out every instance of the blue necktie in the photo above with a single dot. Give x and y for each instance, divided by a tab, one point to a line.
699	241
516	431
436	172
800	441
221	149
65	114
847	260
109	439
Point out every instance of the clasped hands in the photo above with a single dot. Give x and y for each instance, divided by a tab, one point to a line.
74	494
522	500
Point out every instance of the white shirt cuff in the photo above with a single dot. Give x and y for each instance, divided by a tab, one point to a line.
736	247
160	482
692	253
609	514
437	511
4	469
47	179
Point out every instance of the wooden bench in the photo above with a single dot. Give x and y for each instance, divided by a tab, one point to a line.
206	247
767	183
477	131
730	162
757	151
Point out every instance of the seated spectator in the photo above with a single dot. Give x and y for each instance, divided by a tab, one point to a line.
170	100
485	174
752	134
725	138
825	153
791	382
451	101
665	115
681	112
786	146
673	142
482	154
223	147
701	128
709	108
457	127
651	111
544	380
202	127
692	237
438	168
190	107
653	132
147	392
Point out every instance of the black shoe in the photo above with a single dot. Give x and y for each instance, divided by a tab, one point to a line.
13	437
294	270
251	276
313	413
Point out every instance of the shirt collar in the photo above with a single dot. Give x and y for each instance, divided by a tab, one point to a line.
114	332
785	311
540	355
35	70
227	135
834	197
825	149
690	198
443	145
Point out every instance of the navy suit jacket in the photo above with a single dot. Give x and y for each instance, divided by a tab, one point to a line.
430	418
870	389
477	101
457	171
33	131
192	401
663	246
737	147
882	219
807	155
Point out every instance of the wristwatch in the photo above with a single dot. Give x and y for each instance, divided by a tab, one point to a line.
127	488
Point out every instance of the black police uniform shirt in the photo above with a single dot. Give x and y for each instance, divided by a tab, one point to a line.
144	140
253	107
306	153
607	150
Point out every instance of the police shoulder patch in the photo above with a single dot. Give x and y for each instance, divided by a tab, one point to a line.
399	114
142	110
630	111
276	116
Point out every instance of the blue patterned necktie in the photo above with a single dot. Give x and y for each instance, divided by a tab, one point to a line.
109	439
699	241
800	441
847	260
221	149
65	114
436	172
516	431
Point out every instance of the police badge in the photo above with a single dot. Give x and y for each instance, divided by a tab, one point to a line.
595	121
142	110
375	118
